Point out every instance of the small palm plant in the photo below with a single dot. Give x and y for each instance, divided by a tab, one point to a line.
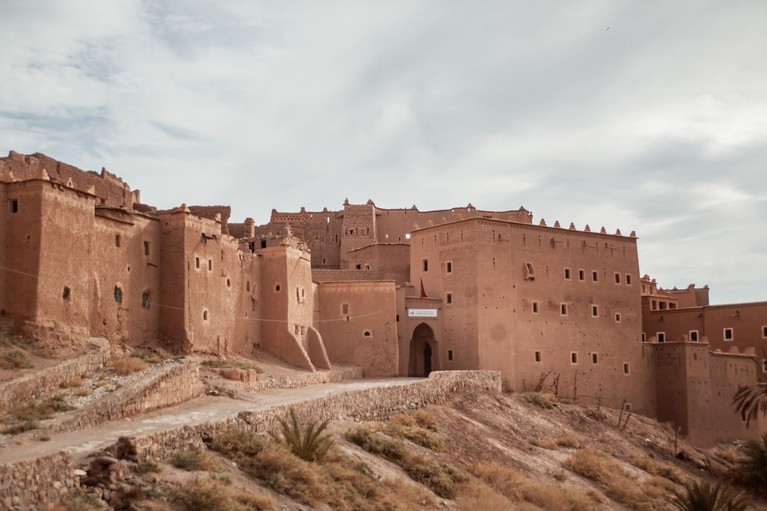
308	443
752	467
703	496
750	402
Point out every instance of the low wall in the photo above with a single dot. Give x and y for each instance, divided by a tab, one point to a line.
28	485
164	386
33	385
366	404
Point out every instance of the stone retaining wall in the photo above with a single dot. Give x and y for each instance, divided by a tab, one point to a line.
33	385
164	386
30	485
251	381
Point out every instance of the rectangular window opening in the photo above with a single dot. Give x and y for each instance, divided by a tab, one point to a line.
764	332
448	297
425	265
617	317
728	334
146	248
661	336
644	337
197	262
573	357
628	279
581	275
595	276
450	354
617	277
694	335
567	273
563	309
594	311
538	356
535	307
13	205
344	308
117	240
449	267
594	358
626	368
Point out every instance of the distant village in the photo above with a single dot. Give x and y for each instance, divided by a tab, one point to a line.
397	292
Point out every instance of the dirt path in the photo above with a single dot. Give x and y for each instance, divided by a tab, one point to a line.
196	411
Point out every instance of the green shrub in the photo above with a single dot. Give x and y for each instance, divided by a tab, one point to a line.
307	442
751	468
703	496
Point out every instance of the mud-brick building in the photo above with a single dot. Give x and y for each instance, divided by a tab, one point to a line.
394	291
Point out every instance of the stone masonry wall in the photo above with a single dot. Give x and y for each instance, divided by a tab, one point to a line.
165	386
32	385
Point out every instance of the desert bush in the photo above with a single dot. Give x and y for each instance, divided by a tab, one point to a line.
147	467
420	428
703	496
476	495
79	503
15	359
308	441
128	365
200	495
221	363
150	354
542	399
194	459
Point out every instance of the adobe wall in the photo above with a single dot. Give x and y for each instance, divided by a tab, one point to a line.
489	275
33	385
124	277
357	321
359	230
695	388
389	261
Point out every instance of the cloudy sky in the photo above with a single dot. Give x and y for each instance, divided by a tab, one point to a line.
646	115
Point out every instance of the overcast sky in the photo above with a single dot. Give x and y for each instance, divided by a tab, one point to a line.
646	116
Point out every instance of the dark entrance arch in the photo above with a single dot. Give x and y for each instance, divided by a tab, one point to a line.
423	359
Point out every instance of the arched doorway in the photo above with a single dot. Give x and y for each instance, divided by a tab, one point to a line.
423	353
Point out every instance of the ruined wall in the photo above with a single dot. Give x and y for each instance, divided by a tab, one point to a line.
27	485
110	189
357	321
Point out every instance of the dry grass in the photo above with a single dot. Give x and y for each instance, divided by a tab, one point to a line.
478	495
616	483
209	495
195	459
569	442
542	399
518	488
655	468
544	443
76	381
128	365
26	417
15	359
222	363
419	427
150	354
79	503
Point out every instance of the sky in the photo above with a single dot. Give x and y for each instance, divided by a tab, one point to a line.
634	115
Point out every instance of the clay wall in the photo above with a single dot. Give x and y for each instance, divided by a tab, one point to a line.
124	277
389	261
357	321
217	213
21	241
110	189
486	266
176	268
359	230
695	389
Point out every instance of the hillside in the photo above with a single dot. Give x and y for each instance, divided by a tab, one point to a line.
482	451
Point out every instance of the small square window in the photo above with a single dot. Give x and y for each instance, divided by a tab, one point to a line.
425	265
563	309
617	277
617	317
357	266
694	335
626	368
628	279
627	407
728	334
538	356
594	358
567	273
450	354
573	357
581	275
535	307
594	311
594	276
764	332
661	336
448	297
449	267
